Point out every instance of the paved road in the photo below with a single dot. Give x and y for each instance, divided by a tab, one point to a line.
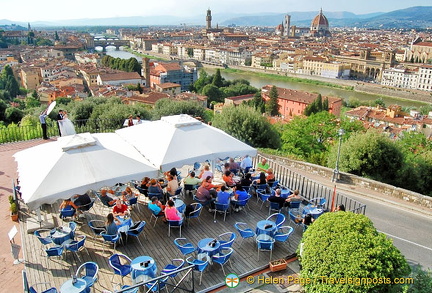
411	231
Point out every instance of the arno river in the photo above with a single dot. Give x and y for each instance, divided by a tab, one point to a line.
258	82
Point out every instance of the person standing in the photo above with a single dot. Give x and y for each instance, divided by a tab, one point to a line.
59	119
42	119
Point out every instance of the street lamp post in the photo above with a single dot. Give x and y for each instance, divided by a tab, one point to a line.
336	170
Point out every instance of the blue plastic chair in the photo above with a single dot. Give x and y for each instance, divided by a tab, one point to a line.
226	239
136	231
88	271
43	240
111	239
32	289
97	227
72	226
274	207
68	212
133	290
133	201
54	251
121	268
199	265
174	266
222	257
295	206
178	191
275	184
220	207
265	245
189	188
320	202
296	219
202	202
158	285
77	245
195	213
283	234
174	224
278	218
244	231
184	246
262	196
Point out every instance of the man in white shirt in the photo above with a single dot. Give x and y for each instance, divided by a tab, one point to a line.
246	164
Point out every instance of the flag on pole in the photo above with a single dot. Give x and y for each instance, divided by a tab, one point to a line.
333	202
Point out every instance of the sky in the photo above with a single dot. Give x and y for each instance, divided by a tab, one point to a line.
46	10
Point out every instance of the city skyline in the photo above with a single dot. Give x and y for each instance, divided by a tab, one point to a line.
49	10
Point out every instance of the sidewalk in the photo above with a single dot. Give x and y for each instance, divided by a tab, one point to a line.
10	274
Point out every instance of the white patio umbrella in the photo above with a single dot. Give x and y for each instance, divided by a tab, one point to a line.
175	141
75	164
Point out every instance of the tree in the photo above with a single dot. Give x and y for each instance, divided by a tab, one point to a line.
272	105
316	106
346	246
3	107
247	125
56	36
213	93
13	115
217	79
167	107
369	154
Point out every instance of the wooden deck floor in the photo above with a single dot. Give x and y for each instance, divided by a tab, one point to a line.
157	244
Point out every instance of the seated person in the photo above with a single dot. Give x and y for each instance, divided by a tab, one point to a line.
111	224
260	182
205	172
225	168
156	207
191	179
247	180
127	194
308	219
283	202
155	189
239	195
172	172
68	204
246	164
228	179
340	208
206	193
145	183
223	197
82	201
171	213
263	165
233	166
105	199
171	186
270	176
295	196
120	209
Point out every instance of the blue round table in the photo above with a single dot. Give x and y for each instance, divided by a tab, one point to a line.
61	235
262	228
78	287
143	268
180	205
313	210
204	248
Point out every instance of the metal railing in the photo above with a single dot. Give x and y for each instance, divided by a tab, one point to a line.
170	285
310	189
16	133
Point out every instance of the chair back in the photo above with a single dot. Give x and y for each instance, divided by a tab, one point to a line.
43	240
243	230
280	219
133	200
222	207
199	265
111	238
262	187
283	233
88	270
175	223
119	267
138	229
243	202
189	187
274	206
262	195
197	210
178	191
54	251
295	205
185	248
275	184
97	226
175	265
223	256
229	242
266	245
72	226
67	212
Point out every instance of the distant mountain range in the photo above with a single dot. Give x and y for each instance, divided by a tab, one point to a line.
413	17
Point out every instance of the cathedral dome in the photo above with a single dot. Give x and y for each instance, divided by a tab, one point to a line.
320	20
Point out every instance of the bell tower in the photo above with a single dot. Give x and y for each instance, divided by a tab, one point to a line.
208	19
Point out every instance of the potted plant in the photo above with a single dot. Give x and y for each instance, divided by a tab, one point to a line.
13	208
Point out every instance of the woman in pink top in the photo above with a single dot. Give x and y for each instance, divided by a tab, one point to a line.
171	212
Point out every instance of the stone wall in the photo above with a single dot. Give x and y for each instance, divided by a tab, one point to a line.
407	195
409	94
